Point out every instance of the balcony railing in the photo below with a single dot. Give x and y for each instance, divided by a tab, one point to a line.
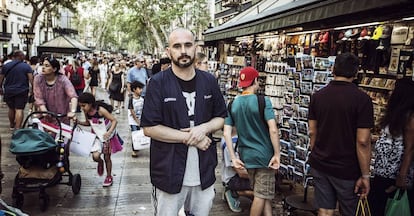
230	3
5	36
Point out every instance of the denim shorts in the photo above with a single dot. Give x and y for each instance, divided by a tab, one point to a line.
263	182
329	190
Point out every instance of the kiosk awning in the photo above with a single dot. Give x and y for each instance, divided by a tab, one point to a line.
316	14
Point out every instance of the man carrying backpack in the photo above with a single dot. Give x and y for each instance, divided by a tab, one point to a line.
74	72
258	141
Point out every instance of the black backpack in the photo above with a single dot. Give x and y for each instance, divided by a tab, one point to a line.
261	102
75	78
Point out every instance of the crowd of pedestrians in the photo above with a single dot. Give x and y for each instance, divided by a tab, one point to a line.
179	106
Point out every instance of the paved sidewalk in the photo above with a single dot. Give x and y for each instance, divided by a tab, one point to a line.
129	195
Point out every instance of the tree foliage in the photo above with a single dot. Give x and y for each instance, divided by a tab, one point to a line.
144	24
40	5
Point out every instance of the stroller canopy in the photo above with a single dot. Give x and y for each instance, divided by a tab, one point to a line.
31	141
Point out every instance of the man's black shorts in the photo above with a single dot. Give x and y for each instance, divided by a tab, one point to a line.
17	101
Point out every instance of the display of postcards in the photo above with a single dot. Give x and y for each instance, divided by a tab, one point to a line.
390	84
298	177
304	100
283	170
394	60
289	72
302	127
306	88
307	61
317	87
303	113
322	64
284	146
277	102
291	170
270	79
293	138
293	127
302	141
280	79
285	121
405	63
297	79
288	96
301	153
287	110
281	68
378	82
321	77
291	155
300	165
366	80
285	134
307	74
284	158
289	85
296	96
298	64
295	111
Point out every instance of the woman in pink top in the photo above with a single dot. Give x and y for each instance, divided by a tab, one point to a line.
54	92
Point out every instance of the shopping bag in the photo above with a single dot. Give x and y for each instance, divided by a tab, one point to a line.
363	208
139	140
399	205
82	142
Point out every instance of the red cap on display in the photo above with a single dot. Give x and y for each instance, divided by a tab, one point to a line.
247	75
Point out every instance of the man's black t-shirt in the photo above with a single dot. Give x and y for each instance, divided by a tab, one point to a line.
339	109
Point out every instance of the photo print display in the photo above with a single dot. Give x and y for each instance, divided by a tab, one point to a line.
288	96
287	110
307	74
290	72
322	64
297	79
298	64
285	134
284	146
307	61
289	84
304	100
306	88
302	127
321	77
293	127
303	113
285	122
302	141
301	153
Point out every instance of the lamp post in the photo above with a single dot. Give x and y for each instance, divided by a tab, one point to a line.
27	36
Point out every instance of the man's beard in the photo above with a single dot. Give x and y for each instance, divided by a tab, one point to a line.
183	65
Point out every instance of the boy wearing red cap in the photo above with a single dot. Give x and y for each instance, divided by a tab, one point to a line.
258	142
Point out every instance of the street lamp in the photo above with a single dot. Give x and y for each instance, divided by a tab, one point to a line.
27	36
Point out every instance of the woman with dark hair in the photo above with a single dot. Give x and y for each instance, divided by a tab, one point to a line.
394	166
53	91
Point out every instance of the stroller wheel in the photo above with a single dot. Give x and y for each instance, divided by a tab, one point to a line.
76	183
44	199
18	200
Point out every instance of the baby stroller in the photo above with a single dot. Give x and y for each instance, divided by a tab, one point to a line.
43	161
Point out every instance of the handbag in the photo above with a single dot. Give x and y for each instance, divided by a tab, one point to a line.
139	140
399	205
82	141
363	208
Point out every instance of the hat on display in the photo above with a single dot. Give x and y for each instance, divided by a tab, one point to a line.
377	33
386	31
247	75
348	33
364	32
325	38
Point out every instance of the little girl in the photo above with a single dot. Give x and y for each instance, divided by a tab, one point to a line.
107	141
